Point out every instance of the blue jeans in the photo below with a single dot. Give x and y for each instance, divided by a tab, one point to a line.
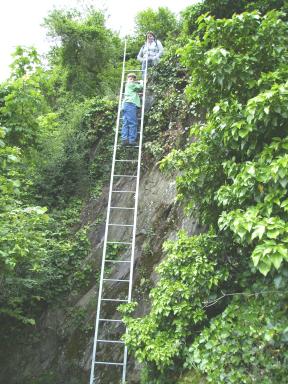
129	128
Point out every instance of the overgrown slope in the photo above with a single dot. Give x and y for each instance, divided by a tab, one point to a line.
219	306
217	122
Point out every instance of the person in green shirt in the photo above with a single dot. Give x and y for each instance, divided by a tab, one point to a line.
130	104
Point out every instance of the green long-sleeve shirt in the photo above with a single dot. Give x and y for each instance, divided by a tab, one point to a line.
131	93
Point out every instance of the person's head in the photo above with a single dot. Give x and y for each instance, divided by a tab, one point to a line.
150	36
131	77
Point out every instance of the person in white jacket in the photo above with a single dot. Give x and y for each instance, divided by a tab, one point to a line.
150	52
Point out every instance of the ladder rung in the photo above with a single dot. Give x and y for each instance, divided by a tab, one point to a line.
125	157
138	118
108	363
133	70
116	300
110	341
124	191
139	93
121	208
127	161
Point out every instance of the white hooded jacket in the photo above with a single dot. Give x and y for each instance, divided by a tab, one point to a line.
154	51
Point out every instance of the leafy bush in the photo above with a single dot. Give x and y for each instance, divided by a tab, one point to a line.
88	52
245	344
24	99
233	177
162	22
238	161
190	273
40	257
75	157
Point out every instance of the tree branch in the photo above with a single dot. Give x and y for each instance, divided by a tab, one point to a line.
208	304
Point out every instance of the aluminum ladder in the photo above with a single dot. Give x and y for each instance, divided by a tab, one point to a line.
103	319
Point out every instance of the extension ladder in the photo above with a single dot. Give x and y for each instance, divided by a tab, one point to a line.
115	244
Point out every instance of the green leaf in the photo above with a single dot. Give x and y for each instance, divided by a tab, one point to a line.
258	232
264	268
276	260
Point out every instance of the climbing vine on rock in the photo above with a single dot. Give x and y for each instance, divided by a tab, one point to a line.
238	162
233	177
189	275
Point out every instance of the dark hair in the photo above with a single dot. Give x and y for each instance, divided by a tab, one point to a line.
151	33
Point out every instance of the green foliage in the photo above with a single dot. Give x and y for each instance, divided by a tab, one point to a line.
75	156
265	179
247	343
39	261
234	53
26	61
65	269
58	172
233	176
24	99
98	125
188	275
9	177
237	162
40	258
88	52
22	243
266	5
42	255
23	248
189	17
168	119
223	9
192	377
162	22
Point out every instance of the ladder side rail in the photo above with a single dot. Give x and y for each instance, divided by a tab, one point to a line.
135	212
92	373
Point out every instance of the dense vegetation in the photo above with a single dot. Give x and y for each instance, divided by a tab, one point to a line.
219	120
51	160
54	124
219	306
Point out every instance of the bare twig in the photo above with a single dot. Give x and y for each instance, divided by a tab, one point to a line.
247	294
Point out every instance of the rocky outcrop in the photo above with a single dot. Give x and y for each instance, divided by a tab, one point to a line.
59	349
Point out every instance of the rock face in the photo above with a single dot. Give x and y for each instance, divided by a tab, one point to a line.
59	350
